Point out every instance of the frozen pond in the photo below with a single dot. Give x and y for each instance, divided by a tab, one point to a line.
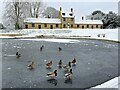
97	62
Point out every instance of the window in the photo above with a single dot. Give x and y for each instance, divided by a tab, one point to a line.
57	25
63	14
101	27
39	26
87	26
82	27
72	19
96	26
77	26
51	26
33	25
70	14
82	18
45	25
71	25
26	26
63	19
92	27
64	26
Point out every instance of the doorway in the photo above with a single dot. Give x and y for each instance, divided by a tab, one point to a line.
51	26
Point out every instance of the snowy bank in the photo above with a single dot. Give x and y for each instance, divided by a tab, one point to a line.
114	83
6	37
106	34
110	34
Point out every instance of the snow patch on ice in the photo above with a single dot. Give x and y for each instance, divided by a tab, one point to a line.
35	85
89	49
10	55
8	68
55	40
96	45
16	46
89	63
45	60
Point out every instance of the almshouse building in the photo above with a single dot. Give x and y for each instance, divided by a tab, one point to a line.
64	20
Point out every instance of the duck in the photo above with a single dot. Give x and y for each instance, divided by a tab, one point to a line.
49	64
73	61
41	48
31	66
67	67
52	75
59	48
68	75
18	55
60	64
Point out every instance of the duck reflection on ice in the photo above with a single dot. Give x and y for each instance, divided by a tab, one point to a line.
53	81
68	81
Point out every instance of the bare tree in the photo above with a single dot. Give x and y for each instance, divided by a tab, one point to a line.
16	12
13	14
36	9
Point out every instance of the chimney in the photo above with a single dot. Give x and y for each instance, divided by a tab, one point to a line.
72	10
48	16
36	16
82	18
91	18
60	9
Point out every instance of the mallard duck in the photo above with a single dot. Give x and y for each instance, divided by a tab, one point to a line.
68	75
74	61
52	75
41	48
18	55
60	64
59	48
31	66
49	64
67	67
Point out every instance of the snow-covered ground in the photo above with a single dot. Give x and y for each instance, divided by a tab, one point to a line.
5	37
114	83
110	34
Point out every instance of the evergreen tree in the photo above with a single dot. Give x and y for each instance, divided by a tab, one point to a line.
110	20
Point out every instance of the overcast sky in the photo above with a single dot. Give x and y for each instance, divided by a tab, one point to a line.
85	8
81	7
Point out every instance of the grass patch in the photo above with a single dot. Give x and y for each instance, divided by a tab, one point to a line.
11	34
41	36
